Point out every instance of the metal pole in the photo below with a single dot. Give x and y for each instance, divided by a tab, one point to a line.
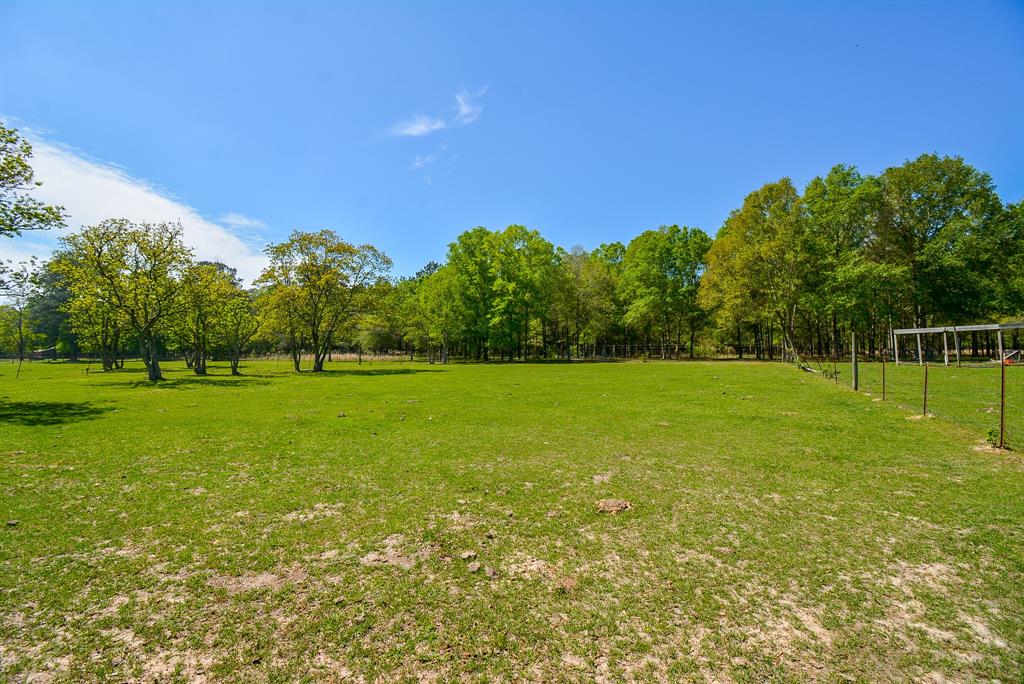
896	348
1002	394
925	412
956	343
945	348
920	359
853	361
883	375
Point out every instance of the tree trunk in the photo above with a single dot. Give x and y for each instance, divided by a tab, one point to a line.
149	357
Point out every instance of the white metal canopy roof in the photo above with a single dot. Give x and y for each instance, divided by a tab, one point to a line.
959	328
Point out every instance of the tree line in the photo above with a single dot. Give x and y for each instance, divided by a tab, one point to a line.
789	273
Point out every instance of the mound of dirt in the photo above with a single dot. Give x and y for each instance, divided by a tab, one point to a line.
613	506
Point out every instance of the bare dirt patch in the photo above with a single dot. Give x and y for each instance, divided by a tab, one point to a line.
320	510
531	567
613	506
264	580
392	553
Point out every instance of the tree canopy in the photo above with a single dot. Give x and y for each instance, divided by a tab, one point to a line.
928	242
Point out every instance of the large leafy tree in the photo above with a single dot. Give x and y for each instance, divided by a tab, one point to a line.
18	209
759	264
206	288
20	286
661	273
843	286
129	270
524	266
241	321
471	259
49	311
940	219
321	286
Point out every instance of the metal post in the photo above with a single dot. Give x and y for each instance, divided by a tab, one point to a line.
853	361
925	412
956	343
1002	394
920	358
945	348
896	348
883	375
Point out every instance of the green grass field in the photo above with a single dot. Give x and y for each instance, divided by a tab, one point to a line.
403	521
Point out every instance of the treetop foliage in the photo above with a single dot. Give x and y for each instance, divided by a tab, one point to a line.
925	243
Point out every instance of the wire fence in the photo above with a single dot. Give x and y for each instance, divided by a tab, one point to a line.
969	395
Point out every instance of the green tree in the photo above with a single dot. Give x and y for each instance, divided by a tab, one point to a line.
320	286
205	291
941	220
661	274
241	321
132	270
471	259
759	263
18	289
18	209
49	312
524	265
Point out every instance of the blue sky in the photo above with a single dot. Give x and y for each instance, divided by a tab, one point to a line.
589	122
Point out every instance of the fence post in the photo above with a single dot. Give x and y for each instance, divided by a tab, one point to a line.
1002	394
883	374
924	413
853	360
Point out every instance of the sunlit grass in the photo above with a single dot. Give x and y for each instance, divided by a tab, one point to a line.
286	527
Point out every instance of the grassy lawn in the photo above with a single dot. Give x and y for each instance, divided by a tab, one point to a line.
403	521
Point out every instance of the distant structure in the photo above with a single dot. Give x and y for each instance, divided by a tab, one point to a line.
998	328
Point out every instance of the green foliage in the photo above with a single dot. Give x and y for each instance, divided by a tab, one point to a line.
18	209
122	272
319	287
661	272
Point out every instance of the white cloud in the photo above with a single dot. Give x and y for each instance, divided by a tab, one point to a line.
92	191
419	162
467	110
421	125
237	220
467	107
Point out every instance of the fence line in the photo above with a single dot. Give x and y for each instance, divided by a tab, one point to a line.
988	397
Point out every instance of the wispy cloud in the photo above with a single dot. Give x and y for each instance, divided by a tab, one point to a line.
236	220
467	110
419	126
419	162
92	191
467	105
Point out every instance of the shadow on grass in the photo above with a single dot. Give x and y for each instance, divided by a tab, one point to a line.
372	371
49	412
196	382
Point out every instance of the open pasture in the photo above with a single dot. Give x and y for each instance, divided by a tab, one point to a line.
404	521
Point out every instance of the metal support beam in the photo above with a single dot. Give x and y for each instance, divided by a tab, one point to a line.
920	358
956	344
945	348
